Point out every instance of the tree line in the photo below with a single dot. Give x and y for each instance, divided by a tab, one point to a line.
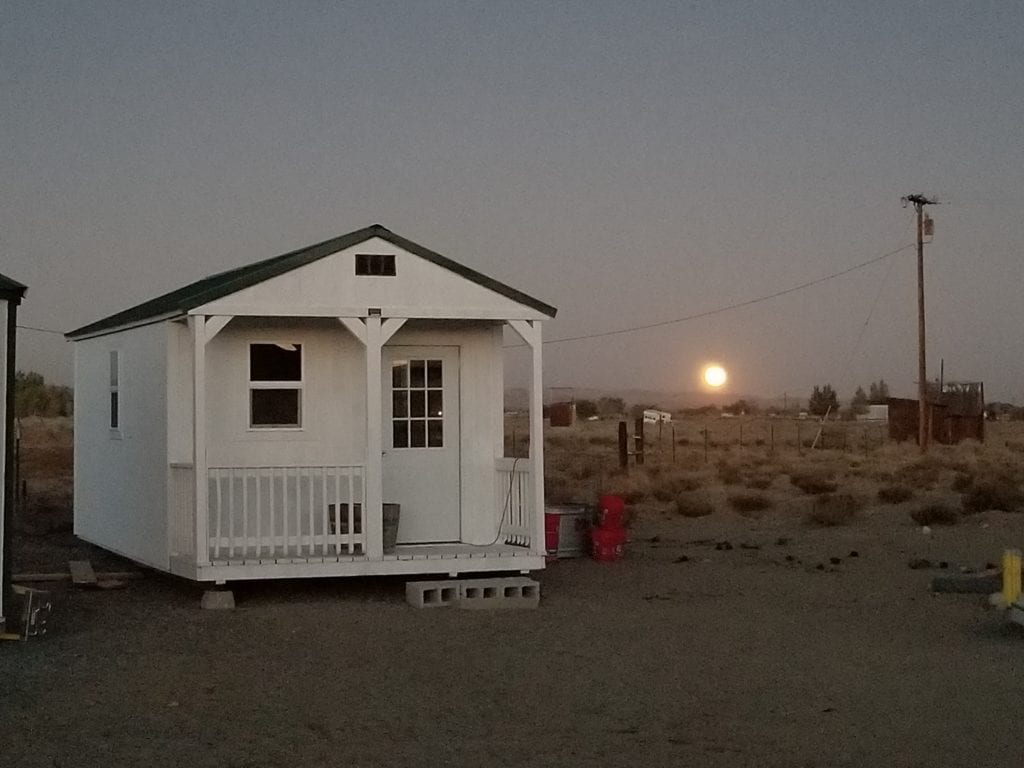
34	397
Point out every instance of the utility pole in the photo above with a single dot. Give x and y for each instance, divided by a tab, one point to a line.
919	202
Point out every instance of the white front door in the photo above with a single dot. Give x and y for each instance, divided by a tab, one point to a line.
421	441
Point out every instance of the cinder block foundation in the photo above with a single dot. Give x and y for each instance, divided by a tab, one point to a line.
218	600
431	594
512	592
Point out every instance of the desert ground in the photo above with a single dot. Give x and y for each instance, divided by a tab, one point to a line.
764	614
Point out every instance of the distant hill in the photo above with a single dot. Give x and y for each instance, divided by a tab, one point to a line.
518	398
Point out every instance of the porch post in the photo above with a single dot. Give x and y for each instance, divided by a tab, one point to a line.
537	439
530	332
199	338
373	515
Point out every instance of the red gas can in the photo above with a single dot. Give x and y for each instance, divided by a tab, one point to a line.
607	543
609	511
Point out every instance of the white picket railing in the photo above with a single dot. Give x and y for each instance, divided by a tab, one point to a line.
514	497
286	512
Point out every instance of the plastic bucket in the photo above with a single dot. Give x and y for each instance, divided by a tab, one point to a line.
610	510
551	523
391	516
607	543
566	529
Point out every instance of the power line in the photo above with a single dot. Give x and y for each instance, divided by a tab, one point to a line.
728	307
40	330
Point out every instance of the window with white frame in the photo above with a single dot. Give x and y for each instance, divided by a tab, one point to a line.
275	386
115	389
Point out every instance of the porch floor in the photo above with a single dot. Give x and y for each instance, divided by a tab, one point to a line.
403	552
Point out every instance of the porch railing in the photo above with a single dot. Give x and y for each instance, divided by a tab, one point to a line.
514	497
281	512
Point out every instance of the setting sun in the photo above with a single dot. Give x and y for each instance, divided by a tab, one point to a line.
715	376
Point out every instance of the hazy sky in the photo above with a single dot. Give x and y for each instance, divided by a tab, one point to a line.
628	162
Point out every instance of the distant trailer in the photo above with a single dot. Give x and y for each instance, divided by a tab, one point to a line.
653	417
875	413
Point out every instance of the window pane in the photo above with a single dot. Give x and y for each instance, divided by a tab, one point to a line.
417	403
417	379
113	367
400	374
399	404
434	402
275	362
274	407
115	415
435	433
434	373
400	434
417	434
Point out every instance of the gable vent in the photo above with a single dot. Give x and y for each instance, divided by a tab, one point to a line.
377	264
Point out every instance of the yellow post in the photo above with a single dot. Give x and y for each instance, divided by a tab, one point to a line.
1011	576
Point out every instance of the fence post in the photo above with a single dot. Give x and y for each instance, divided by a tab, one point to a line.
623	447
638	436
673	443
799	441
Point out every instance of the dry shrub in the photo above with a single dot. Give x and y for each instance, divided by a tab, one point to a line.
670	487
962	481
830	510
813	482
603	440
935	514
758	482
925	472
993	495
895	493
729	474
694	505
750	504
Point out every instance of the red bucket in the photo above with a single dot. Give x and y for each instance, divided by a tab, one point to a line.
607	543
609	511
551	523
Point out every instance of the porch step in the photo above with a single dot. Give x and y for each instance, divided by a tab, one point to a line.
510	592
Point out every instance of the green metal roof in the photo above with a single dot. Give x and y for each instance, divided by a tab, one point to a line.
11	290
225	283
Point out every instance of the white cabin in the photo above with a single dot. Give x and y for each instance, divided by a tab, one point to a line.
11	294
259	423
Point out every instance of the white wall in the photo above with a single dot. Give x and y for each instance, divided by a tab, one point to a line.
333	398
121	477
329	287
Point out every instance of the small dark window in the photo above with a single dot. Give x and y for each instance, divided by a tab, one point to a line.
276	408
275	385
375	264
275	362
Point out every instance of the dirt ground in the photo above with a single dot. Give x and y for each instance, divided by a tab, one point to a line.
683	653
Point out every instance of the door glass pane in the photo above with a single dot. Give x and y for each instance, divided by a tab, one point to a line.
417	434
433	373
417	403
417	377
400	434
399	374
435	433
435	398
399	404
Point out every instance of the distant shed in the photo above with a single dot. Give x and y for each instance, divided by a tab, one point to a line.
948	424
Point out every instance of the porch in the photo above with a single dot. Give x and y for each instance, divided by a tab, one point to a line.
294	522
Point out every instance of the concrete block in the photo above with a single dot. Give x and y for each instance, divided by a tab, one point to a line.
431	594
218	600
499	593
